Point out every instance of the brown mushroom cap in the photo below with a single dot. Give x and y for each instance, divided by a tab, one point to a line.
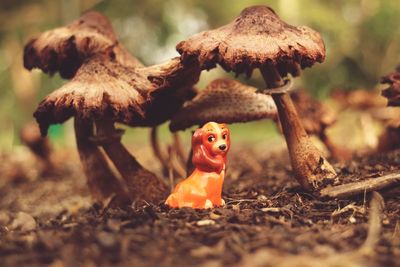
103	88
64	49
30	136
360	99
392	93
224	101
256	38
315	116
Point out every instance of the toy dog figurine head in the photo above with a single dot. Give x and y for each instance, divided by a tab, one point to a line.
210	145
203	188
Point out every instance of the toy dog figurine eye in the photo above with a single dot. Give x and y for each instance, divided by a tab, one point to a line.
203	188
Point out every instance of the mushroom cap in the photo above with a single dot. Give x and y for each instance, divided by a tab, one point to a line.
360	99
104	88
224	101
315	116
392	93
30	136
255	38
64	49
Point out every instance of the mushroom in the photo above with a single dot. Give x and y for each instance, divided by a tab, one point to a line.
64	49
392	93
389	140
315	118
223	101
40	146
369	107
258	38
360	99
105	92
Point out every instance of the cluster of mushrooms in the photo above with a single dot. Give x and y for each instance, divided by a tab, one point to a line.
108	85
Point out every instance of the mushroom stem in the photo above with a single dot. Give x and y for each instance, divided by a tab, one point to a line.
179	148
142	184
309	166
338	153
168	161
101	180
160	155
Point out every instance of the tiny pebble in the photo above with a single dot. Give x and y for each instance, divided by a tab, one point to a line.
236	207
214	216
24	222
262	198
205	222
106	239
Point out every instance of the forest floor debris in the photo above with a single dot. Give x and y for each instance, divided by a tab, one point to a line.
268	221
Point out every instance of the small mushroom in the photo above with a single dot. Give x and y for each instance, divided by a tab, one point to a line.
316	117
258	38
360	99
223	101
64	49
105	92
39	145
392	93
390	138
369	107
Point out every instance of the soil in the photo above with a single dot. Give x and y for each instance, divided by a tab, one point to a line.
268	220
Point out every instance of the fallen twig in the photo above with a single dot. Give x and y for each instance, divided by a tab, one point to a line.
360	187
375	225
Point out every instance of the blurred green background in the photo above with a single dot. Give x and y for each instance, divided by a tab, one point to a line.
362	38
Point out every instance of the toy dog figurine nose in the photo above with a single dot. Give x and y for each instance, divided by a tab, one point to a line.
203	188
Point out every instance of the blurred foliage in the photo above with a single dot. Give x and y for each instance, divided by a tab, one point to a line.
362	39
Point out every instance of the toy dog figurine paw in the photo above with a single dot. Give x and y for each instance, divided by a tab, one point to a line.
203	188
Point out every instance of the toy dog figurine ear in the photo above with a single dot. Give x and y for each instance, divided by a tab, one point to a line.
203	188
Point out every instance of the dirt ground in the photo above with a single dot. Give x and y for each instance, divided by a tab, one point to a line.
268	221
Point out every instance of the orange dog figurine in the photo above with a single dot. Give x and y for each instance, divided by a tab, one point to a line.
203	188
